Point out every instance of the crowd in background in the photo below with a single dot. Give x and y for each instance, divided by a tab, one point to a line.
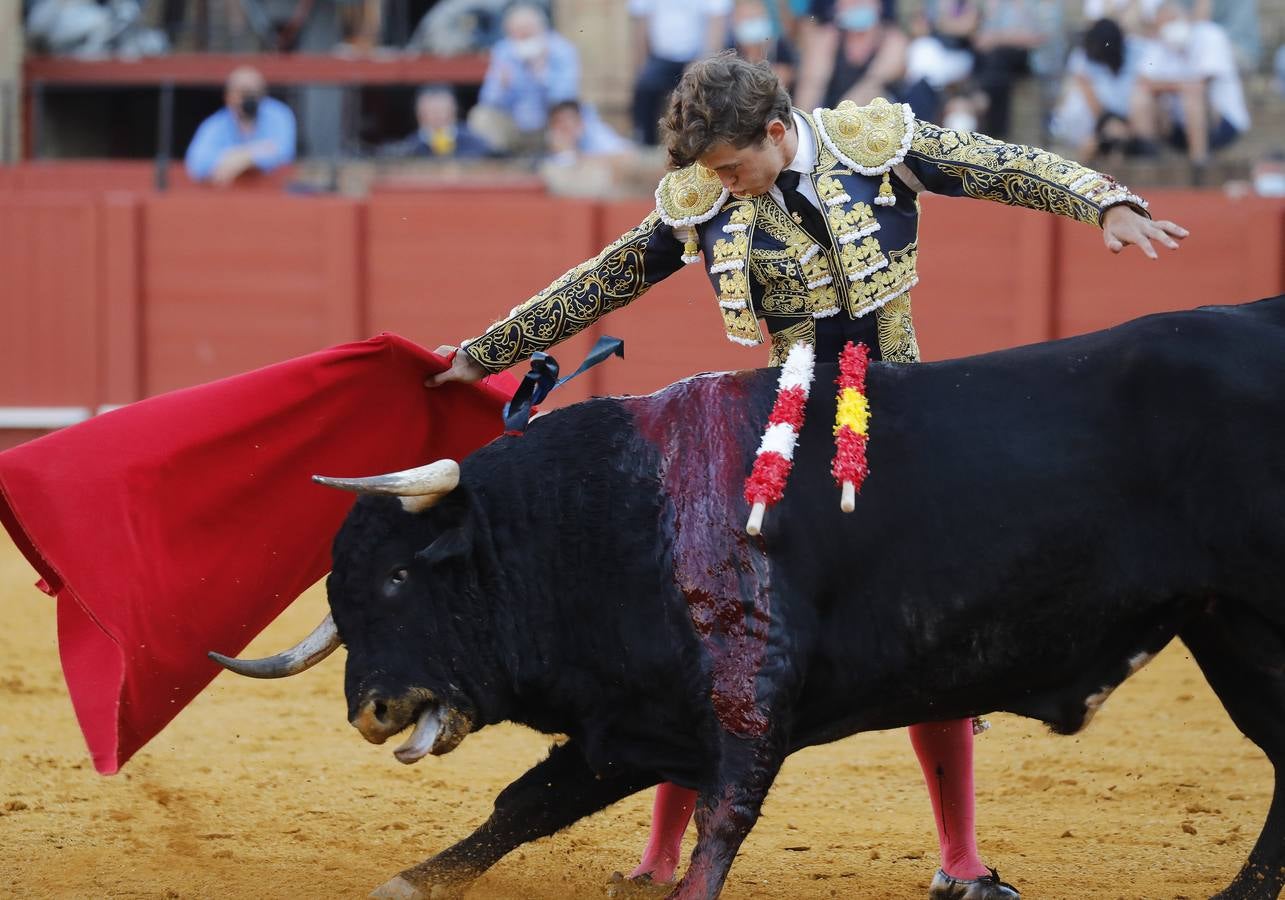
1133	78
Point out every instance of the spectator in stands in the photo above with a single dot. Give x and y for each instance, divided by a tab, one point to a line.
532	68
1134	16
823	10
755	37
253	132
1009	33
668	35
856	56
440	134
576	132
940	58
1093	114
1240	19
1188	87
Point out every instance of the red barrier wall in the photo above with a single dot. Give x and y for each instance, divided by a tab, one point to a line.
1234	253
442	267
123	175
107	297
50	264
985	276
234	282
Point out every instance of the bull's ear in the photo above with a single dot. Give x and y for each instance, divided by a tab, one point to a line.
452	543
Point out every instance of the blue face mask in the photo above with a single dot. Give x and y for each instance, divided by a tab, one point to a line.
863	18
753	31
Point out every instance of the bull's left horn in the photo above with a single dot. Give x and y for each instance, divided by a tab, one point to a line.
419	488
303	655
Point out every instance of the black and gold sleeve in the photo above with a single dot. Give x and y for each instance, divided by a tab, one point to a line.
621	273
961	163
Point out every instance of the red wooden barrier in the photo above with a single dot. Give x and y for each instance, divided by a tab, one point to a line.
137	175
985	276
49	318
672	331
234	282
120	336
109	296
442	267
1234	254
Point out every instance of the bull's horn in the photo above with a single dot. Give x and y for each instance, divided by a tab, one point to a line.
303	655
419	488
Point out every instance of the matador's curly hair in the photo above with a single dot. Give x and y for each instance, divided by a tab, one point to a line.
723	98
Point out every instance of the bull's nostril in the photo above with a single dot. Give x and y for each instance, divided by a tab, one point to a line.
381	709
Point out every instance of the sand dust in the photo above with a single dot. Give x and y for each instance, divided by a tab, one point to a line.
261	789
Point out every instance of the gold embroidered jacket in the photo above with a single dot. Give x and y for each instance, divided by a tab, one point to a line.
872	162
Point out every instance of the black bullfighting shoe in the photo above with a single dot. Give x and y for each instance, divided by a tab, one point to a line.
987	887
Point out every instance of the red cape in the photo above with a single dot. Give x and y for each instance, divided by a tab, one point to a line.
188	522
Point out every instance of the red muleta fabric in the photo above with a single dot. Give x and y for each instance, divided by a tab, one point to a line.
187	522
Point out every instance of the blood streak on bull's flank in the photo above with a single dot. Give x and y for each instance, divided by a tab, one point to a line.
702	430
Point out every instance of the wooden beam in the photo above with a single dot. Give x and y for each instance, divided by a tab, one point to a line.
203	69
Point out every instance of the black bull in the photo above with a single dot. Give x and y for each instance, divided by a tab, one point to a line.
1037	523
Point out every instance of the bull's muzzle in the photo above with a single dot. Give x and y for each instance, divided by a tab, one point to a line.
439	728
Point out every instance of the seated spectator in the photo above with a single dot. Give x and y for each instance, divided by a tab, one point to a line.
452	27
440	134
1240	19
668	35
940	60
532	68
755	38
857	56
1188	87
1010	31
1134	16
253	132
90	29
1093	114
823	10
576	132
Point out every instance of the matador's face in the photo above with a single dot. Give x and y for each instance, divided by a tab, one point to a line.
750	171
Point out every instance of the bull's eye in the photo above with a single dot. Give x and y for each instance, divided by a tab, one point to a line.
399	577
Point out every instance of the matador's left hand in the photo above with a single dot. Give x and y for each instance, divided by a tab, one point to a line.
1122	226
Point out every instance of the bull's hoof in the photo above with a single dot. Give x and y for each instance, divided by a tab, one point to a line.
987	887
618	886
397	888
401	888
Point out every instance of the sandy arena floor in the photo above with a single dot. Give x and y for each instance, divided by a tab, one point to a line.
261	789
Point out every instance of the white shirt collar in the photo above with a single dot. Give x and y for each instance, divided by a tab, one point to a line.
805	157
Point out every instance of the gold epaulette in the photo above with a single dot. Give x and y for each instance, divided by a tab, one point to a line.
689	196
869	139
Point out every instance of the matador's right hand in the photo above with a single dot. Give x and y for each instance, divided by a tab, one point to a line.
463	368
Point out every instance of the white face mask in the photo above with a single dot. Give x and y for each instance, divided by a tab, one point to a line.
753	31
1176	33
530	48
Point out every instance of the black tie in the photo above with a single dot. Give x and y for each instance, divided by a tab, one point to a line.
804	212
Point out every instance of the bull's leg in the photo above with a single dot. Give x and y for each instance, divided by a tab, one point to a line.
727	810
550	796
1243	656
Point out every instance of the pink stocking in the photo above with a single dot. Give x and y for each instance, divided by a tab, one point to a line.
669	817
945	751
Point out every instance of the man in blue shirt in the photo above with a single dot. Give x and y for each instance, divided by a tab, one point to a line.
576	131
251	132
439	135
532	68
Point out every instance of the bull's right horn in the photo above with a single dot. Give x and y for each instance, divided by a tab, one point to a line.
303	655
418	488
